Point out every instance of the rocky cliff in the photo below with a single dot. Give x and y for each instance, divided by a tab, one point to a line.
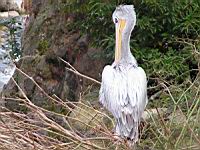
6	5
46	38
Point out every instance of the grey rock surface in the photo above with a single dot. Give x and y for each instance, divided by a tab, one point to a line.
9	14
6	5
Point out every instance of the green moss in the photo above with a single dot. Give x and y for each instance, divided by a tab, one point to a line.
43	46
1	27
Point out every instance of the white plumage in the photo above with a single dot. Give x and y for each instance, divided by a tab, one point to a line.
124	87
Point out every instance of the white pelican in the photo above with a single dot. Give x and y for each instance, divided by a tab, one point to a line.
124	86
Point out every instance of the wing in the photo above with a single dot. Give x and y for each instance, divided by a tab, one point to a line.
137	95
124	93
137	89
110	93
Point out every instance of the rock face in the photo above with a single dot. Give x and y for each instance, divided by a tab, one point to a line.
9	14
26	5
6	5
48	37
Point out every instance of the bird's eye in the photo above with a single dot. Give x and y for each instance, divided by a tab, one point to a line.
116	20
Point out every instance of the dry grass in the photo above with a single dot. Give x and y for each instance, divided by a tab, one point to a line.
37	129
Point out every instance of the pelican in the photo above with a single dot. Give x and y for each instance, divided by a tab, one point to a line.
124	86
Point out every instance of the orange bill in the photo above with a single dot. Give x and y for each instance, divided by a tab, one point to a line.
118	47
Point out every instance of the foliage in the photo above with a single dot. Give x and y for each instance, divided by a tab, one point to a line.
13	41
159	40
43	46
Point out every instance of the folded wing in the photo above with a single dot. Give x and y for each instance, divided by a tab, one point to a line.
124	93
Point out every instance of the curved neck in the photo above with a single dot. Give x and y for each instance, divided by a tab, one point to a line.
122	47
126	52
126	55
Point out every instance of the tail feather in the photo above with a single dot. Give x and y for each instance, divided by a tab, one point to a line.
131	135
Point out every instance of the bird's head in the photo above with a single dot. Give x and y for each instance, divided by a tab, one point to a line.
124	18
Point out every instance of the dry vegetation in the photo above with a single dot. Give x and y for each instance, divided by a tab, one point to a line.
86	127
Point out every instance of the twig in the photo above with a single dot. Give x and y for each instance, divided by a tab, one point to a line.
157	94
183	41
53	124
167	131
72	69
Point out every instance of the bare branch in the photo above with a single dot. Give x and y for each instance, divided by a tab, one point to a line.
72	69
